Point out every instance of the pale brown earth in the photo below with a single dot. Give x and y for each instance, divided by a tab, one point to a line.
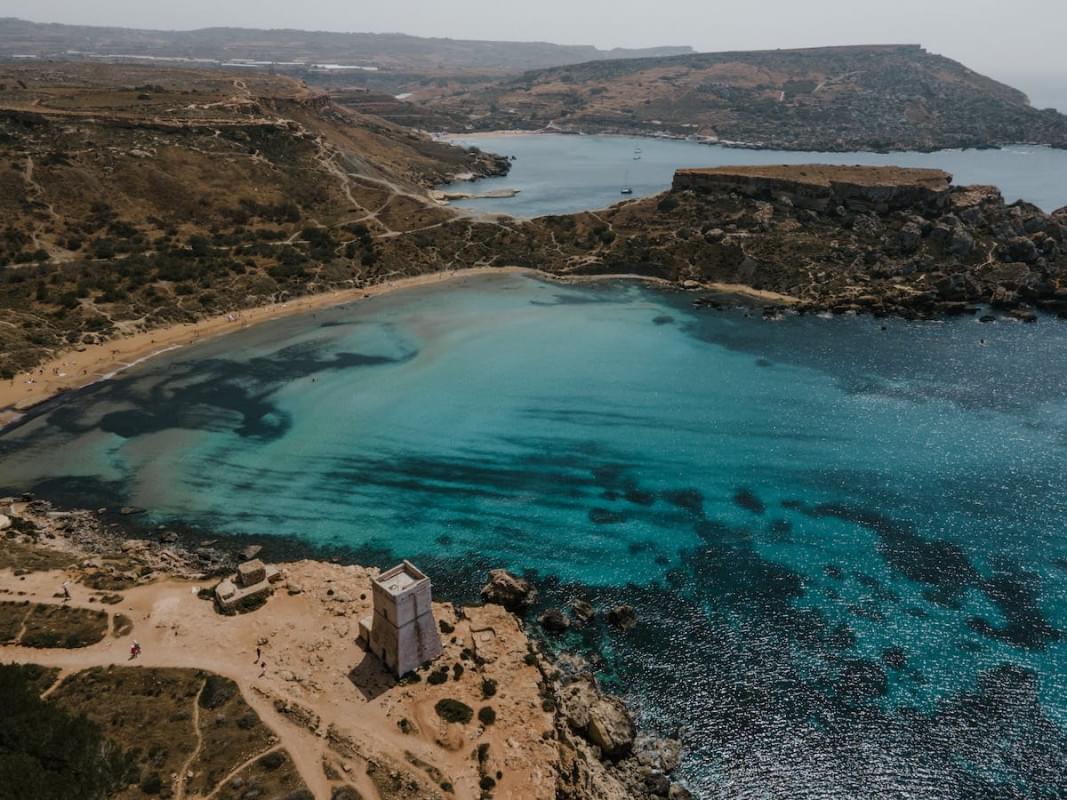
324	698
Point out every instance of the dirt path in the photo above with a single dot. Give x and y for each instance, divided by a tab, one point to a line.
183	773
240	767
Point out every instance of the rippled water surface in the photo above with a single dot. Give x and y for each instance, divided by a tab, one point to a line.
558	174
845	539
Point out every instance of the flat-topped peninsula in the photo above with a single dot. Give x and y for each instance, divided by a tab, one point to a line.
820	185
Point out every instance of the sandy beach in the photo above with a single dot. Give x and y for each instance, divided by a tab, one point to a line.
75	369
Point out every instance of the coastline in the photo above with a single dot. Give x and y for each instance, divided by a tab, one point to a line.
553	733
75	369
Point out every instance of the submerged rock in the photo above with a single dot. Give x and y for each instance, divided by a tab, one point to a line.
554	621
583	611
622	617
504	589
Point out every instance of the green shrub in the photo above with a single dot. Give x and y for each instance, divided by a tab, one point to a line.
47	753
437	677
152	784
486	715
454	711
488	687
667	204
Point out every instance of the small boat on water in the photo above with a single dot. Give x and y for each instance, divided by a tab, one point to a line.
626	187
627	190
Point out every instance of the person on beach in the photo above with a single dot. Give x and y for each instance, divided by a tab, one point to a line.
66	590
135	650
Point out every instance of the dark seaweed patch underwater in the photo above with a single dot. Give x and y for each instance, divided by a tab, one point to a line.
845	543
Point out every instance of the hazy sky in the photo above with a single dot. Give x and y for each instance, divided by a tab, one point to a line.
1009	40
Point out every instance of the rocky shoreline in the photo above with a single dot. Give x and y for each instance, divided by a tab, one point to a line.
601	752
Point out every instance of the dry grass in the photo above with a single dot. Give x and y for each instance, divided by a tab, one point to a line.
63	626
154	713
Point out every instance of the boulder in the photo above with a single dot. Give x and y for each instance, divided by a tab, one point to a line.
168	537
622	616
504	589
554	621
5	522
663	755
961	244
583	611
679	792
910	238
611	728
603	721
1021	249
657	784
251	552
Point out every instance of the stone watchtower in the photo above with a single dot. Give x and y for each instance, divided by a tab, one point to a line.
401	631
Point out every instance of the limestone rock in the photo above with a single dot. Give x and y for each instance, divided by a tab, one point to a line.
663	755
5	522
504	589
910	238
603	721
251	552
610	727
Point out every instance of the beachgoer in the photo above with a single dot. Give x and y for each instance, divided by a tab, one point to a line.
257	655
66	590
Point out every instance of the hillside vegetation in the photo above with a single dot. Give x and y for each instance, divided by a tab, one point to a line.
135	197
828	99
138	198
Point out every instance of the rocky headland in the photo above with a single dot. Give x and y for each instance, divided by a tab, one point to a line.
878	240
316	716
877	97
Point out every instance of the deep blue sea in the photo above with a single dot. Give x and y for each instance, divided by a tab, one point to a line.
560	174
846	539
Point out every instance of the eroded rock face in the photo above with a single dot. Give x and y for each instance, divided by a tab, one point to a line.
602	721
504	589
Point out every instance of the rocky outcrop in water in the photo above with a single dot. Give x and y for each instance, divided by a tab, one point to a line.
884	241
504	589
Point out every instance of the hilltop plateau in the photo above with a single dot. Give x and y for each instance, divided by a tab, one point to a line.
375	57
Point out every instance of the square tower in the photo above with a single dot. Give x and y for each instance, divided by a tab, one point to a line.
401	631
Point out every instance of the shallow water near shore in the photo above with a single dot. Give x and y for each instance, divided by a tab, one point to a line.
561	174
844	537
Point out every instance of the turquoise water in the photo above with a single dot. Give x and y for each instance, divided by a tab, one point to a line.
560	174
844	537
